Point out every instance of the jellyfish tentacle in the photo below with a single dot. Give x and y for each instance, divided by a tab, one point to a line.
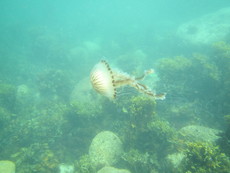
160	96
145	90
147	72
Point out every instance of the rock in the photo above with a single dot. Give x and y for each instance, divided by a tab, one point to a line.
82	91
135	59
65	168
175	159
194	133
7	166
105	149
23	94
207	29
22	90
108	169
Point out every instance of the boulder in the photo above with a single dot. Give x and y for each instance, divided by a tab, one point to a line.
175	159
66	168
207	29
7	166
194	133
105	149
108	169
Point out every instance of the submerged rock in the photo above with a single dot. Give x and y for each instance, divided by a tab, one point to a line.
65	168
108	169
24	95
7	166
105	149
175	159
22	91
194	133
207	29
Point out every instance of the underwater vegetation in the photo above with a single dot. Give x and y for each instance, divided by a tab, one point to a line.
137	161
224	141
204	158
221	57
36	158
83	164
147	138
141	110
204	79
188	75
199	82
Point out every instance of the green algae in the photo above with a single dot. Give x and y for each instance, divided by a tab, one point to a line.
83	164
137	161
204	157
36	158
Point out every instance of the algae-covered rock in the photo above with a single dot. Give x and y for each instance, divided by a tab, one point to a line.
25	96
207	29
108	169
105	149
194	133
7	166
175	159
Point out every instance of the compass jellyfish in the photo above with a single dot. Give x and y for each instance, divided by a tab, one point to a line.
106	81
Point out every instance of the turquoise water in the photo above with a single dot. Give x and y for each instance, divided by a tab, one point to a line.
49	112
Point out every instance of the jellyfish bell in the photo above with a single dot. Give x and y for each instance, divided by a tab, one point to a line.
106	81
102	79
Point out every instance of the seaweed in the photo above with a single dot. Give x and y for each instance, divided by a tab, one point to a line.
225	137
36	158
137	162
83	164
204	158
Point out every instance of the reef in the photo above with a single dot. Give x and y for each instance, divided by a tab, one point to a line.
52	116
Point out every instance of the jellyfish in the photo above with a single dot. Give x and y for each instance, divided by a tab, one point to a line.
106	81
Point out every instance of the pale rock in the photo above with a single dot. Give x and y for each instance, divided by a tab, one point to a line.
105	149
195	133
65	168
108	169
207	29
7	166
175	159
